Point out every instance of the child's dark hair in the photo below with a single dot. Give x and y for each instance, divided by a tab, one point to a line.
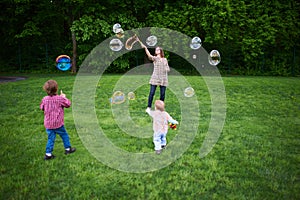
51	87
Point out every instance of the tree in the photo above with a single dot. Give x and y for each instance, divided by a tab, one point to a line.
96	24
253	37
244	31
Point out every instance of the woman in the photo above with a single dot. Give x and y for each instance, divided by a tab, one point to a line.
160	74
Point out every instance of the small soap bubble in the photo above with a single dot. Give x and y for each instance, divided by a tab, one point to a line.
196	43
118	97
131	96
151	40
189	92
116	27
214	58
115	45
120	33
194	56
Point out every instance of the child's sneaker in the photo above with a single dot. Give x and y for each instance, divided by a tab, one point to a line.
163	146
157	151
71	150
49	157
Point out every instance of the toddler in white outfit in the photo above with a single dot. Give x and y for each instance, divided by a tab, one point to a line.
161	119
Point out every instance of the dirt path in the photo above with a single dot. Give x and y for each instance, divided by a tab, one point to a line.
5	79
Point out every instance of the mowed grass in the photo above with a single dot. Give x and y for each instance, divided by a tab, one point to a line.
256	156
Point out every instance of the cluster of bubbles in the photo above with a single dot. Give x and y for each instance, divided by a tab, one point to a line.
119	97
117	29
214	57
116	44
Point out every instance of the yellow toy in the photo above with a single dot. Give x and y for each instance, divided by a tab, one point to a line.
173	126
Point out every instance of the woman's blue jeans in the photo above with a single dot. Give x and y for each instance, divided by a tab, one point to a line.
152	92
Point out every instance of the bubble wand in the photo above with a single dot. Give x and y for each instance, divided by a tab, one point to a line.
131	41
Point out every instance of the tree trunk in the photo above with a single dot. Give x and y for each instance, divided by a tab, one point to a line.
74	64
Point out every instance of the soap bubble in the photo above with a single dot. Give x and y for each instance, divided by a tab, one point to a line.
116	27
196	43
118	97
151	40
189	92
118	30
120	33
131	96
115	45
214	58
63	62
194	56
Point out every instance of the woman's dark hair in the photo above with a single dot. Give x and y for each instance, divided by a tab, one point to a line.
161	52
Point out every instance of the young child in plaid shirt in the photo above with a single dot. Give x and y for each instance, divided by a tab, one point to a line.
53	106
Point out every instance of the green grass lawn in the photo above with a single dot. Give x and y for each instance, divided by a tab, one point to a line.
257	155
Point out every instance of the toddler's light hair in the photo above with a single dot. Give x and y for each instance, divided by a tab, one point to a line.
160	105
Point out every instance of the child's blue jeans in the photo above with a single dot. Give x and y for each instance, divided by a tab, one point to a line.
61	131
159	139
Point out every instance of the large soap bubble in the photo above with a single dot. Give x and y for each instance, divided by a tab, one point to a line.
189	92
214	57
116	27
151	40
196	43
118	97
115	45
63	62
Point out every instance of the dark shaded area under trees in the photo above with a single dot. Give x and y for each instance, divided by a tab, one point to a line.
254	37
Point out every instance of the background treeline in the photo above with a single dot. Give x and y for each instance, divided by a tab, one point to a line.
254	37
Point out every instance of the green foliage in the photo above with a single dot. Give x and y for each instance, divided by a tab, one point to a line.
242	31
248	34
31	29
87	27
